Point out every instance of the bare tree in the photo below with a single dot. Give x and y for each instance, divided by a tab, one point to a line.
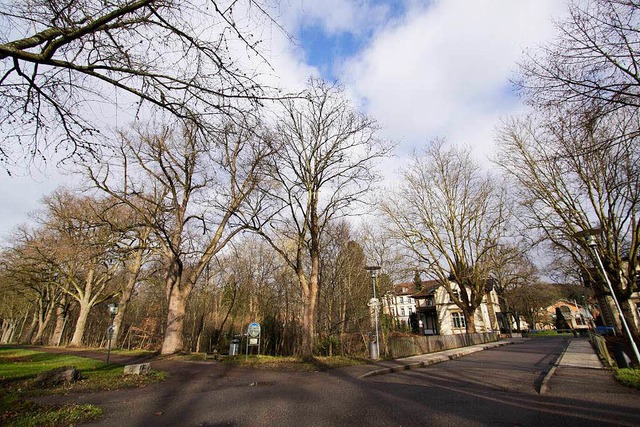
64	61
530	300
593	63
451	217
187	187
568	184
136	249
83	251
345	288
32	276
512	269
382	248
323	167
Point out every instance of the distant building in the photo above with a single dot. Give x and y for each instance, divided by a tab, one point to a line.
576	316
399	303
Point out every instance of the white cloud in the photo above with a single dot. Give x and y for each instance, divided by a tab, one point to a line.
334	16
444	70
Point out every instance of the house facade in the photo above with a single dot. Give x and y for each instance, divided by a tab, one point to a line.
576	316
399	303
439	315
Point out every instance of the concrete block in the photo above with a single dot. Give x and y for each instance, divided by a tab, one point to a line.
138	369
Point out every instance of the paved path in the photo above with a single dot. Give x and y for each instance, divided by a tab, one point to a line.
486	388
420	361
580	354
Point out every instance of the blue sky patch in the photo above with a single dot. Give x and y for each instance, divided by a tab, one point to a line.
325	51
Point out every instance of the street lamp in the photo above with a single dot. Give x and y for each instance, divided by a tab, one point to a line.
113	310
591	242
374	350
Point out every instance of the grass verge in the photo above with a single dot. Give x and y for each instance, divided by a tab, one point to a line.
550	333
18	369
629	377
293	363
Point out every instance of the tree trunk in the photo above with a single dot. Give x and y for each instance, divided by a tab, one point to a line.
28	333
9	327
81	324
308	324
470	318
173	340
310	301
42	325
123	302
61	321
627	312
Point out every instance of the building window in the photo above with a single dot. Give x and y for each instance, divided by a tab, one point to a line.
459	321
401	300
402	310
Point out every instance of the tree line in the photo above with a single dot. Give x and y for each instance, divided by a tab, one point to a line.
227	204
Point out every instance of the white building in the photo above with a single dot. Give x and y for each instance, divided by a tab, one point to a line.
439	315
399	303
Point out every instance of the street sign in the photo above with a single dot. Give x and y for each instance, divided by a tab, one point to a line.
253	336
374	302
254	330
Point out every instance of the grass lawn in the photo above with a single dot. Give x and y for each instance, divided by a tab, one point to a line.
629	377
292	363
18	369
550	333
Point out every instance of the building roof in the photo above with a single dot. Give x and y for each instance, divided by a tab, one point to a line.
406	288
428	288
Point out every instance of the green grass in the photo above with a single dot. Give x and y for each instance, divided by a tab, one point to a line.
137	352
293	363
18	369
629	377
550	333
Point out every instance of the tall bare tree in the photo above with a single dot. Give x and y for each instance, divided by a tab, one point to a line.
82	249
64	62
593	61
186	186
568	184
512	270
323	167
452	217
31	275
345	289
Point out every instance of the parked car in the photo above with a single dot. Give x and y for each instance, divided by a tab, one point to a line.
605	330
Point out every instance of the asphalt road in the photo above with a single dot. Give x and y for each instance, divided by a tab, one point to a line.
492	387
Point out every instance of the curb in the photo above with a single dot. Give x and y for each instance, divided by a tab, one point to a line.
544	385
432	360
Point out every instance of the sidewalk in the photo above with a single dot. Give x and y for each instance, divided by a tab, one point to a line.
580	354
422	360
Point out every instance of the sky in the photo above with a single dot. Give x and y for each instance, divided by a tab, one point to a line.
422	69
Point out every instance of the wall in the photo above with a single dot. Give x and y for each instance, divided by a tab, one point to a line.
413	345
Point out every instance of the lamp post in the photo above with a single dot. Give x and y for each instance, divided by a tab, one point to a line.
591	242
113	310
375	303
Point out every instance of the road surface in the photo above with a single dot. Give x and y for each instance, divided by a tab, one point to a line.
492	387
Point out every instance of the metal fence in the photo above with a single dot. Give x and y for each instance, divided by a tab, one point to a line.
599	343
411	346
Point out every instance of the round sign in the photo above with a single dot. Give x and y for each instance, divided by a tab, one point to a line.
374	302
254	330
